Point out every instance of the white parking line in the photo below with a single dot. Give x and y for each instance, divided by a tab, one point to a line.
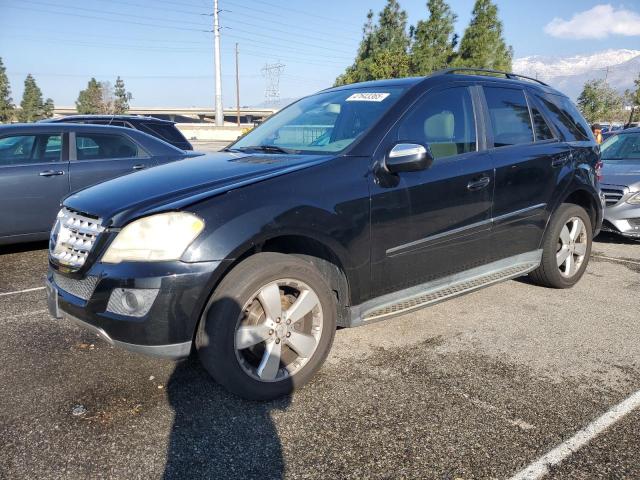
22	291
25	314
540	467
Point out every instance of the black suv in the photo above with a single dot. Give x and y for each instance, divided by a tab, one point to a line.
350	206
162	129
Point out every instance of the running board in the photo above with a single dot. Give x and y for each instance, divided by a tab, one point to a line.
414	298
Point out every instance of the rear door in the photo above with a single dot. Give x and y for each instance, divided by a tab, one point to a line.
97	156
528	158
33	179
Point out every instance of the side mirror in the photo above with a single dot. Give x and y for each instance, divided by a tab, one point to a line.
408	157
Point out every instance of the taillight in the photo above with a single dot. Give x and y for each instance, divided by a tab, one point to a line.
598	170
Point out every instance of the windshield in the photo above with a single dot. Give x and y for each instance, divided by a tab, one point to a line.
323	123
624	146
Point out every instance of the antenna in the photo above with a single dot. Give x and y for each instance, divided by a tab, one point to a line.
271	73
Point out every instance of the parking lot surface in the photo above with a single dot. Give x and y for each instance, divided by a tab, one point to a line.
477	387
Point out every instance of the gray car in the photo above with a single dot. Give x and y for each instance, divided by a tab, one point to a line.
621	183
41	163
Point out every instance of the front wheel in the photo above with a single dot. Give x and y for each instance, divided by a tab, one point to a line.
566	248
268	327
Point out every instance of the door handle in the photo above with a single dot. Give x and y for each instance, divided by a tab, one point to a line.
561	161
51	173
478	184
140	166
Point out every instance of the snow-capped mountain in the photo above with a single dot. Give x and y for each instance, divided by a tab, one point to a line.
568	74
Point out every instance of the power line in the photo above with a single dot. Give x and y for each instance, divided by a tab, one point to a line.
285	49
144	24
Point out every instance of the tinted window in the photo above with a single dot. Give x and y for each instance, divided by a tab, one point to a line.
91	146
164	131
25	149
540	127
444	121
113	123
567	118
509	115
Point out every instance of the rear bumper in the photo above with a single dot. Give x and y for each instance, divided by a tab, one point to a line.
179	293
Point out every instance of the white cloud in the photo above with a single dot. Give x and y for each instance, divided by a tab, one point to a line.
598	22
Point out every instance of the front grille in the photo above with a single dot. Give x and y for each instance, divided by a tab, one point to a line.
82	288
613	195
73	237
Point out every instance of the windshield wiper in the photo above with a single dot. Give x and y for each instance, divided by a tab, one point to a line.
268	149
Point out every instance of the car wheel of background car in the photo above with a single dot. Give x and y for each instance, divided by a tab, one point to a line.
566	248
268	326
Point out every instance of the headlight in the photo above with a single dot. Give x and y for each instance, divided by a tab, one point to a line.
634	199
155	238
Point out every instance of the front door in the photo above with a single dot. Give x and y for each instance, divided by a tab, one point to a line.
100	156
33	179
432	223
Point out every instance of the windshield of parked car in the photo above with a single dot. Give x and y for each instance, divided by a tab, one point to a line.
323	123
624	146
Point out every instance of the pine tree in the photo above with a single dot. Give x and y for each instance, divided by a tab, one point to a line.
32	105
482	45
6	102
90	99
434	40
383	51
122	97
48	108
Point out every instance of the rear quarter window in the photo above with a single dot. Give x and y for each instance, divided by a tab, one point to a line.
166	132
566	117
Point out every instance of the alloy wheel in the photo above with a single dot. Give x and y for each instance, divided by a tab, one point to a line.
572	247
278	330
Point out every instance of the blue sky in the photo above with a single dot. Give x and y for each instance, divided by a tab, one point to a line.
163	52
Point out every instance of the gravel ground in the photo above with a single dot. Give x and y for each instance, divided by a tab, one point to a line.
477	387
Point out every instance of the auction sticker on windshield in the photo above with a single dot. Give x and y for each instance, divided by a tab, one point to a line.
367	97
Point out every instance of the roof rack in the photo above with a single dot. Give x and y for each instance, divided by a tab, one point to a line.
509	75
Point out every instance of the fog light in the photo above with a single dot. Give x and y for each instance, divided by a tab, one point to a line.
132	302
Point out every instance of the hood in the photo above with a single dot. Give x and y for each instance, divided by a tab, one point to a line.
621	172
178	184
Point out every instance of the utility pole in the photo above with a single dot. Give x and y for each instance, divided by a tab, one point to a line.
216	58
237	86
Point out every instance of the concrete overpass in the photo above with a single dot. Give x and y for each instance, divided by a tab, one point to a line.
187	115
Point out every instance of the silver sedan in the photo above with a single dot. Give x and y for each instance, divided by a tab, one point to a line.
621	183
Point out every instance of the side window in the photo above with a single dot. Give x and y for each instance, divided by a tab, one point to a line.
444	121
567	117
509	115
26	149
540	127
94	146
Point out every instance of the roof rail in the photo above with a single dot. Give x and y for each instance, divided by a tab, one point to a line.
509	75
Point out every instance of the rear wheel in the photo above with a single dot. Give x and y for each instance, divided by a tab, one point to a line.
268	327
566	248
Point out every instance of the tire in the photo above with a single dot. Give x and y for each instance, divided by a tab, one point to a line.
550	273
236	316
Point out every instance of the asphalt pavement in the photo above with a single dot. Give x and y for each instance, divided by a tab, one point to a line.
481	386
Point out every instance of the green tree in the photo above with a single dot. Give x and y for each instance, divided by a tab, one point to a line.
90	99
434	39
383	51
32	107
48	108
599	102
121	97
6	102
482	45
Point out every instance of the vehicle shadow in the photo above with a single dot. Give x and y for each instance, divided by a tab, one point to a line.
23	247
606	237
216	434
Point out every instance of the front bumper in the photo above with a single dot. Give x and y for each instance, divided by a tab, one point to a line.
166	329
623	219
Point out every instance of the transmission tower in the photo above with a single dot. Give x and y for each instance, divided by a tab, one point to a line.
271	73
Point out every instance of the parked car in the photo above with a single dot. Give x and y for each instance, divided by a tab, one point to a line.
350	206
621	183
162	129
41	163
